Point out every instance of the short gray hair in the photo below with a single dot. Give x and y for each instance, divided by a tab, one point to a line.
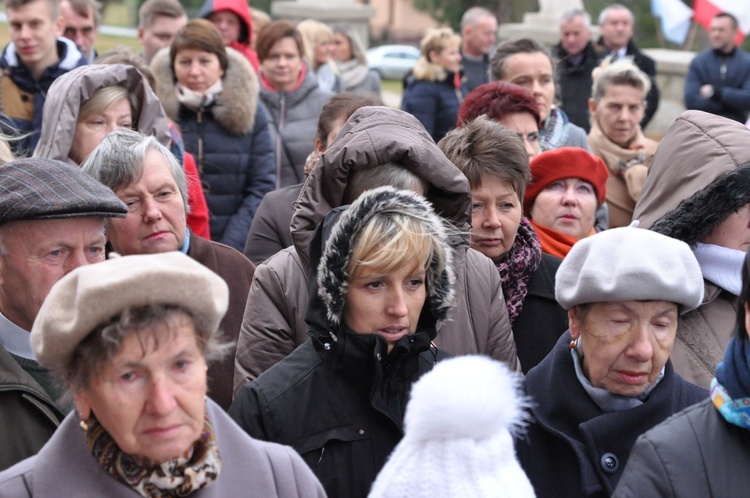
474	14
119	160
393	174
615	6
570	15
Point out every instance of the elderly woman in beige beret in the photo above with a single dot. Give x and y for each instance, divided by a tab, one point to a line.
132	337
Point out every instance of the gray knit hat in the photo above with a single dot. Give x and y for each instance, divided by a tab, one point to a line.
35	189
629	264
92	294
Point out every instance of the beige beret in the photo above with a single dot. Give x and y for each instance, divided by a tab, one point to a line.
629	264
92	294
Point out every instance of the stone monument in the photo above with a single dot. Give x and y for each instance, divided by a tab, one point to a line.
329	12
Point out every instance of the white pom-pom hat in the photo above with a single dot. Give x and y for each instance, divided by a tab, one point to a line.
459	429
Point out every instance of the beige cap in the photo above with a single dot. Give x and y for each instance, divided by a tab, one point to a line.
92	294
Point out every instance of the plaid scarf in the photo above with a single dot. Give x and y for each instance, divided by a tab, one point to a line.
198	468
516	267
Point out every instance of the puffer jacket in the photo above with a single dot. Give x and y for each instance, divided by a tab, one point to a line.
694	453
71	90
340	398
231	143
699	176
241	9
294	123
432	96
274	317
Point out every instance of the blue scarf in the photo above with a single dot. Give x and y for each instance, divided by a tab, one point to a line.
730	390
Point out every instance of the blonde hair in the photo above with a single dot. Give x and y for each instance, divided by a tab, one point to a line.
313	32
105	97
436	39
392	240
620	72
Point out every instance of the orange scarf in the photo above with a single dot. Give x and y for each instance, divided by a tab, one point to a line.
553	242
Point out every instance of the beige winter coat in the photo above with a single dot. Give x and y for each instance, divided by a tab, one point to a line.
698	155
274	322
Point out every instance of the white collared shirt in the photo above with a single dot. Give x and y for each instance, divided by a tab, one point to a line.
15	339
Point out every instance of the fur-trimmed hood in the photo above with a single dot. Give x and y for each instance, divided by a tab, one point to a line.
330	253
71	90
699	176
374	136
234	109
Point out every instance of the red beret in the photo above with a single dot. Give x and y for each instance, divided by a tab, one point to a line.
565	162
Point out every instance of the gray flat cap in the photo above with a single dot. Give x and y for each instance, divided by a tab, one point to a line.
36	189
629	264
93	294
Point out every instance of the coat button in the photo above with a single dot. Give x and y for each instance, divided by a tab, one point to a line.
609	463
361	432
378	356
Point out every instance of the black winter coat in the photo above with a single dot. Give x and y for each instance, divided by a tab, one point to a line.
573	448
575	84
542	321
694	453
731	97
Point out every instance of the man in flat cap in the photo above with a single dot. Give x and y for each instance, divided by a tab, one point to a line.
148	178
51	222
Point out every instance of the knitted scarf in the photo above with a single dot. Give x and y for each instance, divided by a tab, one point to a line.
195	470
730	390
554	133
198	101
554	242
353	73
516	267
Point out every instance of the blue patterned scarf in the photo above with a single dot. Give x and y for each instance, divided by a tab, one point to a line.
730	390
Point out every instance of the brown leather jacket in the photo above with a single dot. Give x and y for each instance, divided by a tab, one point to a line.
274	322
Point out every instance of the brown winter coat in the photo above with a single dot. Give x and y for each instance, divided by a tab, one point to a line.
698	150
237	271
274	322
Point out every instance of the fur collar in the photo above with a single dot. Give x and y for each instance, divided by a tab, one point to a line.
236	105
428	71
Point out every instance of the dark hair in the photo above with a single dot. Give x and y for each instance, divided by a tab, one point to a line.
274	32
735	22
199	34
84	7
510	48
496	100
340	106
740	329
484	148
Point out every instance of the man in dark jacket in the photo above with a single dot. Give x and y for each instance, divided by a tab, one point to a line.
478	30
31	62
155	188
718	80
616	27
51	222
577	60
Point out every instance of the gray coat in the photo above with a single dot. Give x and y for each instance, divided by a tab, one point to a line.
294	122
694	453
274	322
249	468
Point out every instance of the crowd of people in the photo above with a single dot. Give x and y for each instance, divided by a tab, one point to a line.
228	269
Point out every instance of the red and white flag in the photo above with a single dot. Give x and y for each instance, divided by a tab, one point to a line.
705	10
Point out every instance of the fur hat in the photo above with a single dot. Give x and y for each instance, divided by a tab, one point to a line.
629	264
92	294
459	429
565	162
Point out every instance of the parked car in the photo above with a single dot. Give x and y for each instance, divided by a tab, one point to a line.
392	62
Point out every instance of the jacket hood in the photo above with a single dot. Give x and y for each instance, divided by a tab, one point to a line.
71	90
698	177
237	7
374	136
428	71
330	253
234	108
